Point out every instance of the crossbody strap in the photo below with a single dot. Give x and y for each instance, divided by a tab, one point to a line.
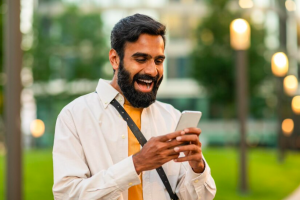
142	140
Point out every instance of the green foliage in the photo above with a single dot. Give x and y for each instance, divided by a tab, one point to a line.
213	61
68	46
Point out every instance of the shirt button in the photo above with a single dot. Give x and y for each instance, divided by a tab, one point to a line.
130	184
196	181
123	136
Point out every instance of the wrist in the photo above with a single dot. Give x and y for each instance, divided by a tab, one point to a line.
200	168
137	163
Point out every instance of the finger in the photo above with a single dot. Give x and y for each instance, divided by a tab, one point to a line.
170	157
193	130
188	138
170	136
171	152
173	143
191	147
194	157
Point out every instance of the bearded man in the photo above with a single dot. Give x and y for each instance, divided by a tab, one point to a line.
97	156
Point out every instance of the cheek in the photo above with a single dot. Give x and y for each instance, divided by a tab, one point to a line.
160	71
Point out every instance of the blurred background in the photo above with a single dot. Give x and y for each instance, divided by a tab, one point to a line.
65	46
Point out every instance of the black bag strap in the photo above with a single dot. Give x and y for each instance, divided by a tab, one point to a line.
142	140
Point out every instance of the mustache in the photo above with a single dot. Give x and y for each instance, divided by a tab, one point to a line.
145	77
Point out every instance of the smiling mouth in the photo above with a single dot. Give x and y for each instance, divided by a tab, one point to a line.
145	85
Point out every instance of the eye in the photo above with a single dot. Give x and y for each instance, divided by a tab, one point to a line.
159	61
141	60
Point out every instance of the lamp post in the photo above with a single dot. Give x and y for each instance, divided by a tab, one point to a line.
240	42
280	67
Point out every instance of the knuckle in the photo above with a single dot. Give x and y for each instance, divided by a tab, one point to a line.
195	147
199	157
152	139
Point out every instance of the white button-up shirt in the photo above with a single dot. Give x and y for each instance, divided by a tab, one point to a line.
90	153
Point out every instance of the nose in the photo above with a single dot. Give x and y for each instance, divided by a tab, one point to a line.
151	69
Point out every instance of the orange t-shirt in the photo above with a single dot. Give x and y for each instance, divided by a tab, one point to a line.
135	192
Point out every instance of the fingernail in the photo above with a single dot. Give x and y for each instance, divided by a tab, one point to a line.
182	132
176	149
175	160
178	138
186	130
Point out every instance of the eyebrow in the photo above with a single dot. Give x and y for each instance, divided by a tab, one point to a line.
139	54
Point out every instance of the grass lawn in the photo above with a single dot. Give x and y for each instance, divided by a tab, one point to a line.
37	173
267	178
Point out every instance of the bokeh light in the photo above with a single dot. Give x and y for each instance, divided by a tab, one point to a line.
296	105
280	64
37	128
240	34
290	85
290	5
287	127
246	3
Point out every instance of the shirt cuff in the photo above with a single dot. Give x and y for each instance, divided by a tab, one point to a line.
197	179
124	174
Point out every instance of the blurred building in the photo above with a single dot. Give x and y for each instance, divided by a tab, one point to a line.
181	18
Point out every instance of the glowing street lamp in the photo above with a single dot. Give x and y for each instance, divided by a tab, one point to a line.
37	128
296	105
290	85
240	41
287	127
280	64
240	34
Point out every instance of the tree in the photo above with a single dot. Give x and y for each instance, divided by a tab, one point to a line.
213	62
1	72
69	46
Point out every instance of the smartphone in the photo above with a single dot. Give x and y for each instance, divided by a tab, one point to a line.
188	119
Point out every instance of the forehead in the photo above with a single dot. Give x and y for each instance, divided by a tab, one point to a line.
149	44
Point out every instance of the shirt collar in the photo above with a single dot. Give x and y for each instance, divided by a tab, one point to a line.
107	93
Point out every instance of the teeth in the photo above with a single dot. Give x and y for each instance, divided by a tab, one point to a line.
145	81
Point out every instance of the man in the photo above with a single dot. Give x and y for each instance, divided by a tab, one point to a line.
95	154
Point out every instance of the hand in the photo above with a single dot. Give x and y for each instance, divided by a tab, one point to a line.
192	151
156	152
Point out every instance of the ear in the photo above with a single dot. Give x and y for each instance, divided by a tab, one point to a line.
114	59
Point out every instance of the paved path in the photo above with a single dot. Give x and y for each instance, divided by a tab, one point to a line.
295	195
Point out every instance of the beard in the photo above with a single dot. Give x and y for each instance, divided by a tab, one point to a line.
135	98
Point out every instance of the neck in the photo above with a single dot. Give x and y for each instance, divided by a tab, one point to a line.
115	85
